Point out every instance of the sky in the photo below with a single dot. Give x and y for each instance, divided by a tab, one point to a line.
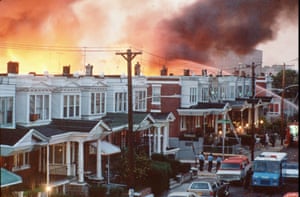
179	34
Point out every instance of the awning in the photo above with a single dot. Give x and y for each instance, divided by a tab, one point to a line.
9	178
108	148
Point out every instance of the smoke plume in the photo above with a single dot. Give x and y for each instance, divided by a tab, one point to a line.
194	30
215	27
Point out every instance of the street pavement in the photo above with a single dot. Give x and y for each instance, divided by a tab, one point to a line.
292	156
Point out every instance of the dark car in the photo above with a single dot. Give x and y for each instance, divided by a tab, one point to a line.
210	187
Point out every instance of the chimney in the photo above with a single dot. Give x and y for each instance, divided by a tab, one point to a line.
204	72
66	70
164	71
137	69
13	67
89	70
186	72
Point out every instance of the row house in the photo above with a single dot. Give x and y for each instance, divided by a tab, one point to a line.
56	129
64	127
207	105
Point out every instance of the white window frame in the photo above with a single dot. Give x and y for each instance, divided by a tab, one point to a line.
140	103
193	95
6	111
205	94
57	153
121	104
71	106
232	91
21	161
156	94
183	123
39	105
97	103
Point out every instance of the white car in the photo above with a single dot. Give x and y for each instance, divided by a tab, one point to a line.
182	194
290	170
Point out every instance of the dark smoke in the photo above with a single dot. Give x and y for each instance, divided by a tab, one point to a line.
215	27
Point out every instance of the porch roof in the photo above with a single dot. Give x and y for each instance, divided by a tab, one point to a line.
121	119
11	136
202	109
107	148
20	139
9	178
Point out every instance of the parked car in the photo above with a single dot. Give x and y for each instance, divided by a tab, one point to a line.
182	194
210	187
291	194
290	171
234	169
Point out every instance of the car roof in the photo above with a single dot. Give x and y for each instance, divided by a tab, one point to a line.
206	179
181	194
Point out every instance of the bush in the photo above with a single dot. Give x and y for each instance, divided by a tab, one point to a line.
158	178
97	190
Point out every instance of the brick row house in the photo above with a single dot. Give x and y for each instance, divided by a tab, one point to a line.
59	130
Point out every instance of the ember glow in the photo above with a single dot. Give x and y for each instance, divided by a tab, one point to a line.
47	35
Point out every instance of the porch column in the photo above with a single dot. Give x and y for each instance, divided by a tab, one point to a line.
216	124
80	162
150	142
158	140
68	158
99	160
47	164
155	140
165	138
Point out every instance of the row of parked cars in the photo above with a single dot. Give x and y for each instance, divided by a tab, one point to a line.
232	169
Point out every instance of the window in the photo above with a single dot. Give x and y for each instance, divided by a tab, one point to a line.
205	94
121	102
240	91
198	122
193	95
97	103
71	106
140	100
222	92
248	93
156	94
183	122
6	111
21	161
232	92
57	154
39	107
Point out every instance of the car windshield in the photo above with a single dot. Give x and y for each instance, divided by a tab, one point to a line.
199	186
291	166
266	166
230	166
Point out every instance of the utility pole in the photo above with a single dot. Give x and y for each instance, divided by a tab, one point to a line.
129	56
282	132
252	112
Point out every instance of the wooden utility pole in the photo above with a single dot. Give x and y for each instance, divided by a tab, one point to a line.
129	56
252	112
282	132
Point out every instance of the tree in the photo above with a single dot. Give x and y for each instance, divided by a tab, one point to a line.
291	78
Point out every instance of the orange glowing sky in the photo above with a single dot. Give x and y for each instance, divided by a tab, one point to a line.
47	35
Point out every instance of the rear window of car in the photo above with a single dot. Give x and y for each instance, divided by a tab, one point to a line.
199	186
230	166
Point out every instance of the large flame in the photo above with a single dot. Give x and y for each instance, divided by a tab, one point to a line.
46	35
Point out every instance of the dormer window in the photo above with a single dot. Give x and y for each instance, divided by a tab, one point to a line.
71	106
39	107
6	111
